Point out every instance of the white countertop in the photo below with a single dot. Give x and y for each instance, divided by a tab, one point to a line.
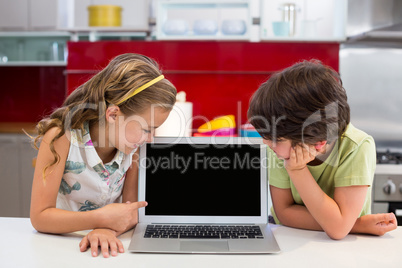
22	246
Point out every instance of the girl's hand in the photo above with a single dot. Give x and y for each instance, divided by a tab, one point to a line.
120	217
375	224
300	155
105	239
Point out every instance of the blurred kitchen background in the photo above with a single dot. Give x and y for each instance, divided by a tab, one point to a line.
217	52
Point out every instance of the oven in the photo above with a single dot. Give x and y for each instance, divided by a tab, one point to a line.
387	185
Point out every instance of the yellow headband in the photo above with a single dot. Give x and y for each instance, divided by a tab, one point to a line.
141	88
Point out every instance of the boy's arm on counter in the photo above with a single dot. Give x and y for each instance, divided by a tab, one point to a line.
298	216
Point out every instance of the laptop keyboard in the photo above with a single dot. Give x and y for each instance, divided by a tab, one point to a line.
204	231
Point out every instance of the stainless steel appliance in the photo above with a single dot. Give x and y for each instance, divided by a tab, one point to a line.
370	65
372	77
387	185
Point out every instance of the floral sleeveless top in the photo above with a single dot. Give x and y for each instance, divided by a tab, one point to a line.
87	182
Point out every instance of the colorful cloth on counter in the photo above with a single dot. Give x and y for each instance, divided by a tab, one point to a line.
352	162
87	182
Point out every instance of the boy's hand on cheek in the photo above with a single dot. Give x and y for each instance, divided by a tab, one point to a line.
300	155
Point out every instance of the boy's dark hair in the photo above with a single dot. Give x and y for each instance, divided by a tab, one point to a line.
305	103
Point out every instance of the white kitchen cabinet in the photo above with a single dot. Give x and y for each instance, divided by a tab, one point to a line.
13	15
21	15
16	156
73	15
43	14
203	20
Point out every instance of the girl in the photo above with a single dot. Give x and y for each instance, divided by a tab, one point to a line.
87	147
323	166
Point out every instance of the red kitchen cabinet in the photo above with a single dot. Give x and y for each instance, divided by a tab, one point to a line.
219	77
30	93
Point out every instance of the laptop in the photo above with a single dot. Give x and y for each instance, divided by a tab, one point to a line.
205	195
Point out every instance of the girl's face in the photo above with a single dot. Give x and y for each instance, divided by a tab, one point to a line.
133	131
281	147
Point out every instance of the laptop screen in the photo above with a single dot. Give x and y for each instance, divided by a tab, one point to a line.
203	180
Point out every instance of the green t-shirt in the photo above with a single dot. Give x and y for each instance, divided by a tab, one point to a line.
351	162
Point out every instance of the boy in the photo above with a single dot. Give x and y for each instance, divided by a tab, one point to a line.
322	167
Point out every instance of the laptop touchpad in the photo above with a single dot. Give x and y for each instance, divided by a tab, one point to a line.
204	246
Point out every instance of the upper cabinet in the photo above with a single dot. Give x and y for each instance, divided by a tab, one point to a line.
284	20
14	15
39	20
207	19
303	20
72	15
253	20
23	15
36	32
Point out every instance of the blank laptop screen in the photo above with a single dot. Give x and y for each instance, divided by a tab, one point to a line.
203	180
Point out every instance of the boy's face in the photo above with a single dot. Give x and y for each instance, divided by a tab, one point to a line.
281	147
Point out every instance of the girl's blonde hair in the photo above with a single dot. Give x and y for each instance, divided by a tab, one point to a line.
88	103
